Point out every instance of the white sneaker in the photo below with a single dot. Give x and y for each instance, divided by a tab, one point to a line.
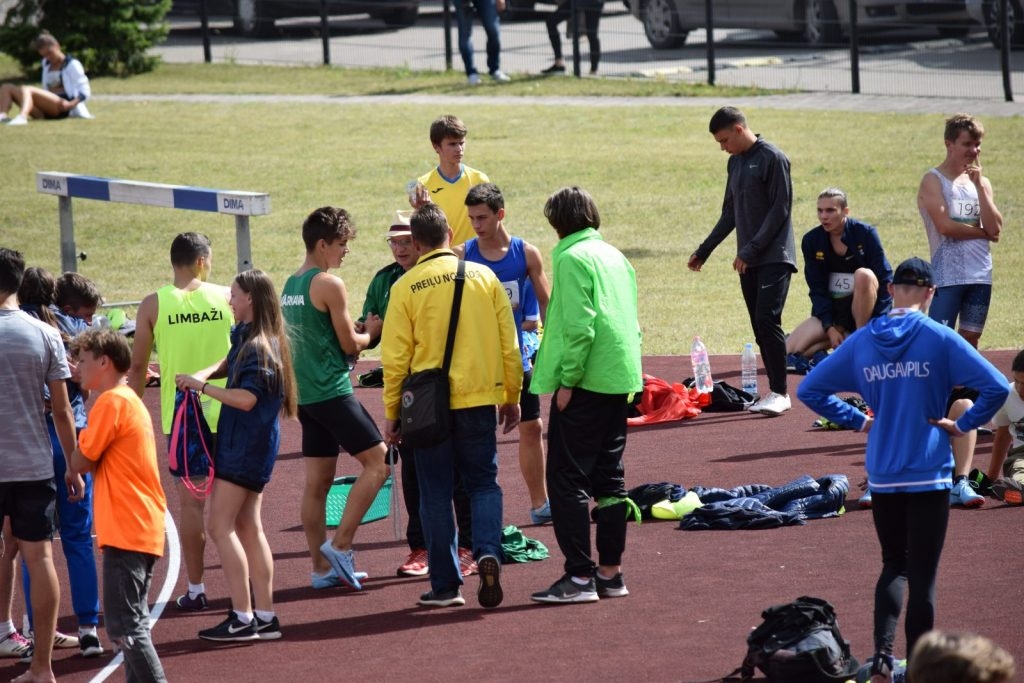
474	79
80	112
18	120
500	76
773	405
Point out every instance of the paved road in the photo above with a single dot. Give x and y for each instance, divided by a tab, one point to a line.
915	64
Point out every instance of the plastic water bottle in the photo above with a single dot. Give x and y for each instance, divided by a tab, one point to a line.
701	367
748	370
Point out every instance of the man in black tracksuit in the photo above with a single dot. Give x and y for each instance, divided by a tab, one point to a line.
758	205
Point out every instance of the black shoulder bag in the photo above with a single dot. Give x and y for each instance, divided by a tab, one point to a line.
426	418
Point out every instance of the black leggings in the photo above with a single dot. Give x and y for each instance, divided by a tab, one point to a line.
911	529
591	18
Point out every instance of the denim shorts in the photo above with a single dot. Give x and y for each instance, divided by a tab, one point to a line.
966	303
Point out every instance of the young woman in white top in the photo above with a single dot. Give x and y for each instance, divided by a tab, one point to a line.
64	92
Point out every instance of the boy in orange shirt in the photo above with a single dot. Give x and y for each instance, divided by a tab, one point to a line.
129	504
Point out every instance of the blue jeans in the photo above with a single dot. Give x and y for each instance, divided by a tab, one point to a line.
472	449
488	12
74	522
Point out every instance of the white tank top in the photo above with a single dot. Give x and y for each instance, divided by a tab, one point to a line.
958	262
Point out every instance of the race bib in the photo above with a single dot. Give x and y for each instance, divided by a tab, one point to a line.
840	285
512	289
965	210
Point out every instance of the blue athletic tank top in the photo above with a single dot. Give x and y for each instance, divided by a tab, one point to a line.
511	271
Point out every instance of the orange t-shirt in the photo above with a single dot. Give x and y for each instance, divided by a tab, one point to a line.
128	500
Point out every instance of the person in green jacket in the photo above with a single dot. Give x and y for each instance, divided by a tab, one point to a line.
589	358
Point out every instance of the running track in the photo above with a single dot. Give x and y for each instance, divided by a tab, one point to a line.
694	595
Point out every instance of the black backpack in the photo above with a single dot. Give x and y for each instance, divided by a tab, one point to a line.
725	398
799	642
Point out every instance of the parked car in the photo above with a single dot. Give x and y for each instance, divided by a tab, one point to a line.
256	17
668	22
986	13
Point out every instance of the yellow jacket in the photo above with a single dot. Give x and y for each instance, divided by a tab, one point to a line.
487	368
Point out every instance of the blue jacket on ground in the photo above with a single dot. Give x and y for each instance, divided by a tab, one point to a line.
904	365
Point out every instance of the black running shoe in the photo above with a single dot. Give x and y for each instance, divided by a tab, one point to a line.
446	599
980	482
565	590
187	603
89	645
372	378
267	630
614	587
231	630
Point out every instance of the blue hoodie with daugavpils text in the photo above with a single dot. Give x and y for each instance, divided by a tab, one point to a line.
904	365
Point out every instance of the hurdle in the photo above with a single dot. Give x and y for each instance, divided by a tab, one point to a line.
66	186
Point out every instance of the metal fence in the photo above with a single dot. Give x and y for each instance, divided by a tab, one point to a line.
922	56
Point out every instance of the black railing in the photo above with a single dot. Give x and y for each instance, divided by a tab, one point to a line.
852	46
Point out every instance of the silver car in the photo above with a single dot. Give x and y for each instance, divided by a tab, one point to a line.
256	17
986	13
667	22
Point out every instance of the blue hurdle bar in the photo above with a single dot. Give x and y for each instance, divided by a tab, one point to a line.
65	186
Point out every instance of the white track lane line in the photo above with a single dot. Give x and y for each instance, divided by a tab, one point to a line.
173	556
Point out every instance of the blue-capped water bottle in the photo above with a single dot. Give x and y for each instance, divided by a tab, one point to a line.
748	370
701	367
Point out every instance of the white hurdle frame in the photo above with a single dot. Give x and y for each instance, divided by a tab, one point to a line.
66	186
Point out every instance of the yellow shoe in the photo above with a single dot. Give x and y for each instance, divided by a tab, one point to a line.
687	504
665	510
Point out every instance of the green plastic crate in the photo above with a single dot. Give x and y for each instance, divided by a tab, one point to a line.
338	495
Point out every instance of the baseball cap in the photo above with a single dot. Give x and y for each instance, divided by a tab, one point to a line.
914	271
400	227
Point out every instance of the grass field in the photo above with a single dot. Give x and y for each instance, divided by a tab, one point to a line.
655	172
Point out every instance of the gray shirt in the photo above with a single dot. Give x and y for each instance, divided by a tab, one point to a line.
758	204
31	354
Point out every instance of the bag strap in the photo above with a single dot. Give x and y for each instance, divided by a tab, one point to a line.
396	506
190	399
196	491
172	450
460	282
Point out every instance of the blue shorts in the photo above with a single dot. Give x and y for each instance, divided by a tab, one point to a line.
966	303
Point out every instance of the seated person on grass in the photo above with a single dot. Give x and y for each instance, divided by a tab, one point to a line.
847	274
64	92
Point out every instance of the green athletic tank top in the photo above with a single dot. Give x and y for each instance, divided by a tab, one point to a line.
192	332
321	370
